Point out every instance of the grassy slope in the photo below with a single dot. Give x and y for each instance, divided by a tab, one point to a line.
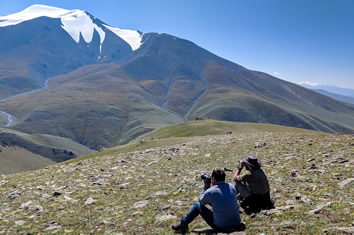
144	188
51	142
111	112
16	159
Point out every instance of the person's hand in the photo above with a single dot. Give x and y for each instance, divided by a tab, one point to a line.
207	183
242	164
235	176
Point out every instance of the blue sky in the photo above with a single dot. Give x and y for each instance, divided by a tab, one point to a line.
295	40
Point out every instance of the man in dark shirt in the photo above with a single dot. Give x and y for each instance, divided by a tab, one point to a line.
222	197
253	186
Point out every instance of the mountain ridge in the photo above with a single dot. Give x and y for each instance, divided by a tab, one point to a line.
109	101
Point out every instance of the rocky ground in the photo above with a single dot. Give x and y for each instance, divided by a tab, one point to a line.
143	188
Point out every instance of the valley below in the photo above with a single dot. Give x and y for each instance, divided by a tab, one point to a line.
145	186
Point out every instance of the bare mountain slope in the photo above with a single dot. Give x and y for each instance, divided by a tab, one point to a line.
106	90
163	82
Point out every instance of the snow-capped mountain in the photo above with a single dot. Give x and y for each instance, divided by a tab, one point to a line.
43	41
76	23
111	85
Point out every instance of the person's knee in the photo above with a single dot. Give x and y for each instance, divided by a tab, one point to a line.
197	205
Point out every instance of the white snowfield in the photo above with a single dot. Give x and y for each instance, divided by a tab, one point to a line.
75	22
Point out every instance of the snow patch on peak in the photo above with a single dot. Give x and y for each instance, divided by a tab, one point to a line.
35	11
75	22
132	37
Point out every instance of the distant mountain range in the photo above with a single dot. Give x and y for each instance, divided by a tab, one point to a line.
108	85
337	93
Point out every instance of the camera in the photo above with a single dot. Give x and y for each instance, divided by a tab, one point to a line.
206	178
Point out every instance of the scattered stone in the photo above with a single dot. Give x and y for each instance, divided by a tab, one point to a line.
67	198
14	194
19	222
89	201
311	159
260	144
320	208
56	194
162	207
312	167
25	205
124	186
228	132
39	188
141	204
207	155
165	217
345	182
293	173
52	228
291	158
349	230
276	210
158	194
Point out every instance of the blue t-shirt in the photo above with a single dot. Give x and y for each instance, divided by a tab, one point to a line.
222	197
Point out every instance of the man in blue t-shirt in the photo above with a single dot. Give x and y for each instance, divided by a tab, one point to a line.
222	198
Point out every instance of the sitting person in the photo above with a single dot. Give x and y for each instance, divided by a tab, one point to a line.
253	186
221	196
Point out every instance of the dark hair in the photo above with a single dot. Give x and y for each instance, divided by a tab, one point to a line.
219	175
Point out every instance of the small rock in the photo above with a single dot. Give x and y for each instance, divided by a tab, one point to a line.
90	201
165	217
345	182
291	158
56	194
158	194
311	159
207	155
52	228
349	230
19	222
320	207
25	205
162	207
124	186
14	194
276	210
312	167
67	198
260	144
141	204
293	173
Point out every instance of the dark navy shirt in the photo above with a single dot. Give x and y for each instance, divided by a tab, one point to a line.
222	197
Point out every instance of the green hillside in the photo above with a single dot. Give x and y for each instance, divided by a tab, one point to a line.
167	81
28	152
16	159
145	186
215	127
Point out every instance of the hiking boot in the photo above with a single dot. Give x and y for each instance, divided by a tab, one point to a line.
181	227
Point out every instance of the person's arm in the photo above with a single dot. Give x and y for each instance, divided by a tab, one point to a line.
204	197
238	172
